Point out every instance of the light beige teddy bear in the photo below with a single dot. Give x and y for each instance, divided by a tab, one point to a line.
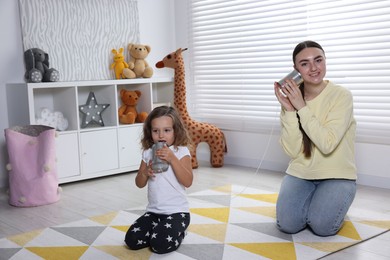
139	66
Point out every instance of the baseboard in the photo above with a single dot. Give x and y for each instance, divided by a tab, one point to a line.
257	164
363	179
374	181
248	162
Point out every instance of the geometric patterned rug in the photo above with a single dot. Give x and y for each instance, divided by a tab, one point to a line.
229	222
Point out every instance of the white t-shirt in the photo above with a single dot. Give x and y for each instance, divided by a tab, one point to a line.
165	194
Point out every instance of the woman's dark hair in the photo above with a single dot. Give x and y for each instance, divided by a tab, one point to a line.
304	45
307	144
181	135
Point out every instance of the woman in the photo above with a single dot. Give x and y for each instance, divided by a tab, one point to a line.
318	133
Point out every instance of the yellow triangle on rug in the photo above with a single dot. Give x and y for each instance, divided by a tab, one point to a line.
282	251
220	214
59	253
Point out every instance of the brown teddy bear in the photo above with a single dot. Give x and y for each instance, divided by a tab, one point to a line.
138	66
128	111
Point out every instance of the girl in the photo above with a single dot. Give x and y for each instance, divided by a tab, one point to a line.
318	132
162	227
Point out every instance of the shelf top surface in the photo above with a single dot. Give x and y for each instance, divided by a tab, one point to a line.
100	82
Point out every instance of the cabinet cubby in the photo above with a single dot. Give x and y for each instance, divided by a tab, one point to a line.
92	151
145	101
56	99
104	94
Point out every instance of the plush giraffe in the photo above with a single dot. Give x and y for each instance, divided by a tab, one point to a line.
199	132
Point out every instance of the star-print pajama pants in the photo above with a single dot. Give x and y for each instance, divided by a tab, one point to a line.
162	233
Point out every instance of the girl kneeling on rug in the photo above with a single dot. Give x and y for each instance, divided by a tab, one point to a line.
318	133
162	227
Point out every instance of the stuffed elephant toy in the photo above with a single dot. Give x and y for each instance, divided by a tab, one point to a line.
37	67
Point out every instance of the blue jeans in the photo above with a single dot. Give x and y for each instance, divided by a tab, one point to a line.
319	204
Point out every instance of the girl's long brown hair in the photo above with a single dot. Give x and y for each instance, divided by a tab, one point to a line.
182	137
307	143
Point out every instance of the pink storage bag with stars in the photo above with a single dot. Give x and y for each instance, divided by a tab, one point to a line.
33	179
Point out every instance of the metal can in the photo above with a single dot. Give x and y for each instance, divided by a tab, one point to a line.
158	165
294	75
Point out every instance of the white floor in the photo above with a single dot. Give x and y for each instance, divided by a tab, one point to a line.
95	197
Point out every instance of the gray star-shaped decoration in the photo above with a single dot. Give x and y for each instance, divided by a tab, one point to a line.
92	112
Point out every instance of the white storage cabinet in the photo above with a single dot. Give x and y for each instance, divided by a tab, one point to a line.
90	152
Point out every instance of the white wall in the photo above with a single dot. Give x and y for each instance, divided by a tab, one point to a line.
163	26
11	69
157	29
